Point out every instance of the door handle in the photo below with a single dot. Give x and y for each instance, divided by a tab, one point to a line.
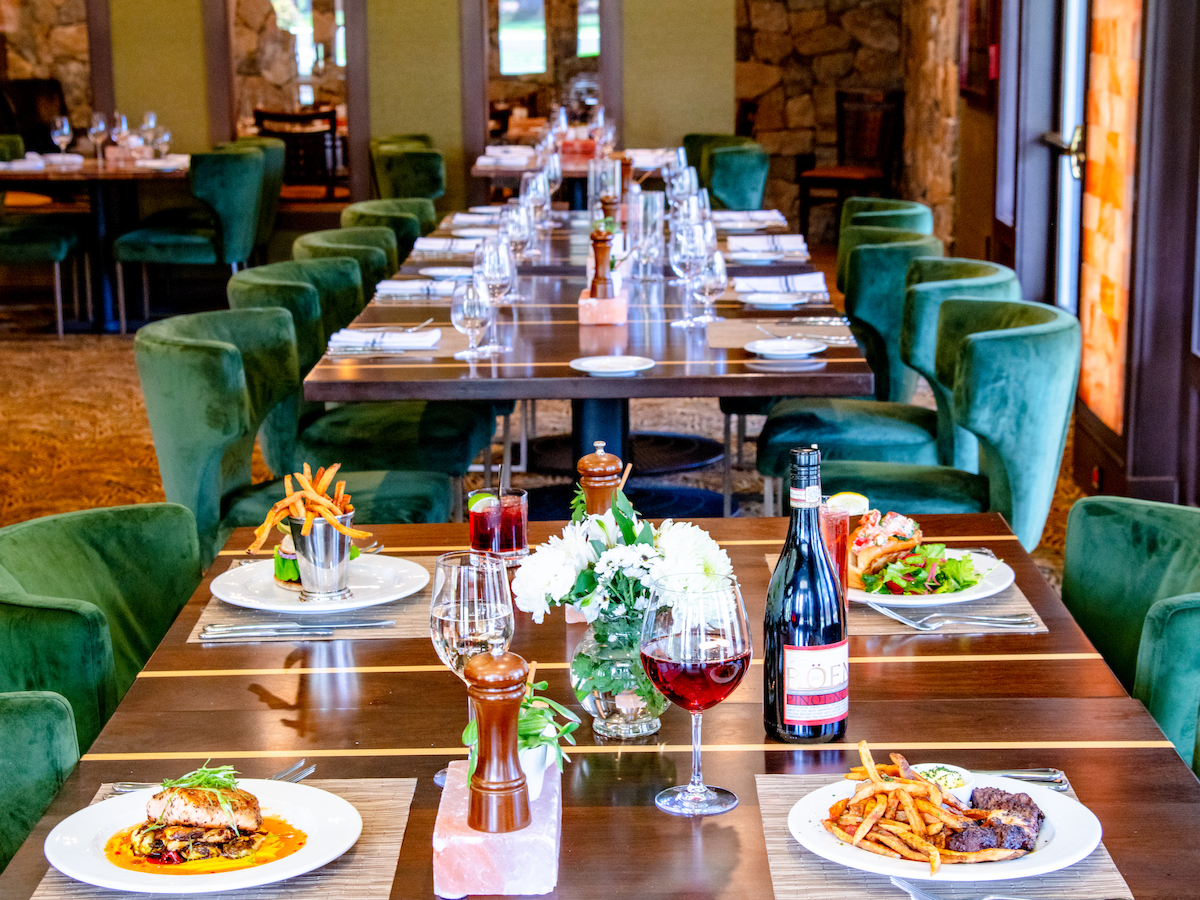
1074	150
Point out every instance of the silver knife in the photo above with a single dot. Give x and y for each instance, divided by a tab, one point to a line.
255	635
296	626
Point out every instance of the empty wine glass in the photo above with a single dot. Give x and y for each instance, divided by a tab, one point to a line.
604	183
596	121
516	222
120	129
683	183
535	191
709	284
470	313
646	234
559	126
149	120
553	170
687	252
61	133
162	142
495	265
695	648
97	131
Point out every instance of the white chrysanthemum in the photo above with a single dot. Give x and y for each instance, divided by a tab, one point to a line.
632	561
548	574
575	544
685	547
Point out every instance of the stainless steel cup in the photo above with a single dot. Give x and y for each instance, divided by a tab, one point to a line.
323	557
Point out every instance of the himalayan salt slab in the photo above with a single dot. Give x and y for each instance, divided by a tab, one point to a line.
466	861
613	311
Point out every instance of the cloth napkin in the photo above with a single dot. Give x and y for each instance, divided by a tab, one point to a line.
783	243
385	340
757	216
31	163
168	163
465	218
510	160
522	150
809	281
649	159
390	288
446	245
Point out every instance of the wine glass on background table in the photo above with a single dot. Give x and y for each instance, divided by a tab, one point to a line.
516	223
470	610
686	253
97	131
646	234
61	133
554	174
709	284
120	129
695	647
496	267
470	313
535	193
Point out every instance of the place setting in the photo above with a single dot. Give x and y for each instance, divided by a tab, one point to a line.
766	249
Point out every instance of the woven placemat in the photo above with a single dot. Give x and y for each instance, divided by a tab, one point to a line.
798	874
1010	601
364	872
736	333
410	614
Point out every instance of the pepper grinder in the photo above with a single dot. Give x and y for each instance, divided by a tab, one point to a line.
599	476
499	800
608	206
602	287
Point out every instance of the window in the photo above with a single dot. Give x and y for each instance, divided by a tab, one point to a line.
522	37
588	28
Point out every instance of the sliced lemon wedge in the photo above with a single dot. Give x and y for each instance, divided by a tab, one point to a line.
853	504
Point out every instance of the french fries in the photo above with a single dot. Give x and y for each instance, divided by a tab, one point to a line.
898	813
308	501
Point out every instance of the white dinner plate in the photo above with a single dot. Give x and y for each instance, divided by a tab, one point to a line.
480	232
776	366
995	574
753	257
446	271
611	366
486	210
742	227
1070	833
373	580
76	845
771	299
784	348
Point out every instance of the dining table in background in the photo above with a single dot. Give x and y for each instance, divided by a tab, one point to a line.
113	199
388	708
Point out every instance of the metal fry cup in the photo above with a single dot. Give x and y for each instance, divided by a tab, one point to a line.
323	557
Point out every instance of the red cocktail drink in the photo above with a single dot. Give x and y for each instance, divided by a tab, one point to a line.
498	522
835	529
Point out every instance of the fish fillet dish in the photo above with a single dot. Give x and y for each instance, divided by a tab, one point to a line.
184	824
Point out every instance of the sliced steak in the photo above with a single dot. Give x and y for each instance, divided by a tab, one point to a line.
1014	818
971	839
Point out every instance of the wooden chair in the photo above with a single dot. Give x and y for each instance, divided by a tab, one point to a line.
869	125
33	104
311	142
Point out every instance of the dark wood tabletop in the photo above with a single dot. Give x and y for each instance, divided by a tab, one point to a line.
89	171
544	331
387	708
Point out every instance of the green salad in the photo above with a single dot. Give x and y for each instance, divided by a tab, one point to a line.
924	570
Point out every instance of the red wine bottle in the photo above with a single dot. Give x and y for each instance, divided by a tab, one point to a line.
806	665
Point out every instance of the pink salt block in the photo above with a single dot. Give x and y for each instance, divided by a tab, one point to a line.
574	616
466	861
612	311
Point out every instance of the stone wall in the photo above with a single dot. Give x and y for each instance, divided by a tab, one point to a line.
48	39
561	62
264	62
792	57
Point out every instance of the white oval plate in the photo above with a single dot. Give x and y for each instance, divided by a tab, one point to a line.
1070	833
481	232
784	348
754	257
446	272
374	579
996	576
767	299
76	845
611	366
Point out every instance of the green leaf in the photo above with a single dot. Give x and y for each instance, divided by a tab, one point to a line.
286	569
578	504
646	535
354	552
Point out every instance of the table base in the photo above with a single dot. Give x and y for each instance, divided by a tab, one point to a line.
652	453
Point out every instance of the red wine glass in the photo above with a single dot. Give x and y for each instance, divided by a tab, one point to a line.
696	648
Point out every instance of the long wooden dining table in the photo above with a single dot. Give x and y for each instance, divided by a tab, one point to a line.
387	708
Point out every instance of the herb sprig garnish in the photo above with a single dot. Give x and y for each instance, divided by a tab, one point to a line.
216	780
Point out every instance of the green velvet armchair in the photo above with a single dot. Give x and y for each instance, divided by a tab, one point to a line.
211	381
373	246
85	598
907	215
738	176
407	165
395	213
38	750
1131	579
1013	367
322	296
274	153
228	184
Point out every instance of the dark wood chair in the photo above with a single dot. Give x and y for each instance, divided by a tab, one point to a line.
311	145
869	126
32	105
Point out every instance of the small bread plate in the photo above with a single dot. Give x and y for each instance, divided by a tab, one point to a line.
754	257
446	272
995	576
373	580
776	366
76	845
611	366
1070	833
481	232
784	348
742	227
771	300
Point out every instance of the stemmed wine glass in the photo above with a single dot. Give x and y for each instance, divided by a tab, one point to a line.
97	132
687	253
162	142
535	192
516	221
61	133
695	648
471	313
120	129
709	284
496	267
554	178
471	608
646	234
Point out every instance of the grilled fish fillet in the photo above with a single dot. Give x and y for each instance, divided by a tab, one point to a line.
201	807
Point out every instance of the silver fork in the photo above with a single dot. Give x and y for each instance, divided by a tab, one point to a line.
1017	622
293	773
824	338
918	893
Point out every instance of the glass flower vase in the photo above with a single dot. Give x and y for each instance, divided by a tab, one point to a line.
611	685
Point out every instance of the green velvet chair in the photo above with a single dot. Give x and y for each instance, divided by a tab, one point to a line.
373	246
38	750
45	244
324	295
211	381
698	147
228	183
407	165
395	213
1013	367
905	215
274	153
1131	579
738	176
86	597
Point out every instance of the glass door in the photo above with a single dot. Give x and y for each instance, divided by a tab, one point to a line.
1069	140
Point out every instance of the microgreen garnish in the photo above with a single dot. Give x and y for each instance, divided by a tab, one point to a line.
216	780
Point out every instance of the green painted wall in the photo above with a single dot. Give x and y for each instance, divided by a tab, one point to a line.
415	78
158	64
679	64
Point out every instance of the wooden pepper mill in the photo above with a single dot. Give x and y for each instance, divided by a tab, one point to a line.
499	799
602	287
608	206
599	476
626	172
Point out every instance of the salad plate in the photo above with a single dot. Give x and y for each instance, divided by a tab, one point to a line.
446	271
994	576
374	579
76	845
1070	833
784	348
611	366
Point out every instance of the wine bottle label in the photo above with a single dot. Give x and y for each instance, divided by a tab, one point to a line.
816	684
807	497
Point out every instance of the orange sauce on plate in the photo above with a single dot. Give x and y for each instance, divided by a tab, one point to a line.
282	840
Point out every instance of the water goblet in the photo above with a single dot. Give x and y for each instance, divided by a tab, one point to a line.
709	284
470	313
646	234
61	133
496	267
97	131
686	254
695	648
517	223
535	191
120	130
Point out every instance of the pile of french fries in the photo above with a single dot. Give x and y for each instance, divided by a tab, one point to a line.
898	813
308	502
